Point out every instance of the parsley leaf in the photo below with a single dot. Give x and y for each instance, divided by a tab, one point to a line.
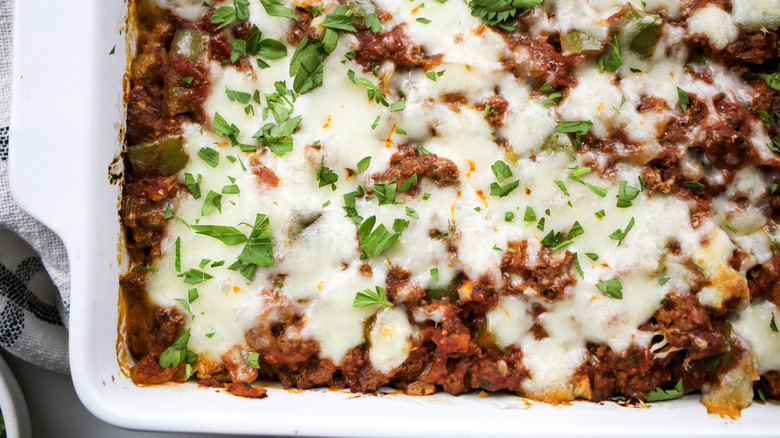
435	274
227	235
258	250
363	164
501	191
223	16
277	9
683	98
501	170
773	324
349	205
626	194
611	288
210	156
385	192
409	183
194	276
276	137
619	234
577	127
340	19
773	80
369	297
374	241
530	214
373	92
212	202
579	171
499	12
242	9
663	281
412	213
577	266
659	394
306	65
325	176
611	59
177	353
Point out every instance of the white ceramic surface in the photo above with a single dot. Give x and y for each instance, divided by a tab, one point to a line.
66	115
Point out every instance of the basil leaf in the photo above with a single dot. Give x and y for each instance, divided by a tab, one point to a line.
619	234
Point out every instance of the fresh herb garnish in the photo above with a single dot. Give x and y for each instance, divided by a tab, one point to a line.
626	194
576	127
369	297
619	234
659	394
374	241
611	288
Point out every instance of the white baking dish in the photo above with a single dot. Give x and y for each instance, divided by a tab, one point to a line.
67	112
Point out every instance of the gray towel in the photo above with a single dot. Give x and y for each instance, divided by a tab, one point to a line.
33	304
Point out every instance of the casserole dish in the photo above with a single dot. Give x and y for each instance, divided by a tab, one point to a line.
80	144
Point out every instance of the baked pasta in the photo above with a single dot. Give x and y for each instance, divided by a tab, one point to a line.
561	199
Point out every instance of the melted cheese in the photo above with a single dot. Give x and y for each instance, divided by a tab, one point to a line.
315	247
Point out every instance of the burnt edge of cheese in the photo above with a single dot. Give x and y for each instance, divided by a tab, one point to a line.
704	151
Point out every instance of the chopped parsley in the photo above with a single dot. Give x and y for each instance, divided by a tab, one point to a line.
500	13
626	194
576	127
212	202
683	99
435	274
611	288
228	235
178	353
611	59
619	234
363	164
325	176
369	297
375	240
663	281
209	155
412	213
659	394
530	214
